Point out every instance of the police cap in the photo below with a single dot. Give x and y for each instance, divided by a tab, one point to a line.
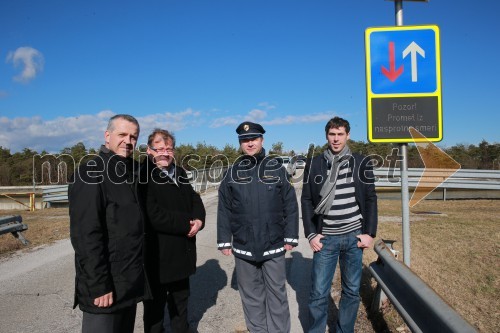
249	130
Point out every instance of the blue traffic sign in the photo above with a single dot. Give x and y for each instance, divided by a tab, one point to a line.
403	83
403	61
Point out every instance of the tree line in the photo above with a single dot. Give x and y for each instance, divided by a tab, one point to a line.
29	167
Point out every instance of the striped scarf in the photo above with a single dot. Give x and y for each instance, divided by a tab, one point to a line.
327	192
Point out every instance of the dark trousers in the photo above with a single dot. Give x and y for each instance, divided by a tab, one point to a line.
175	295
119	322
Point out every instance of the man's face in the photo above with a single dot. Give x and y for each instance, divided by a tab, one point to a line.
337	139
122	138
251	146
161	151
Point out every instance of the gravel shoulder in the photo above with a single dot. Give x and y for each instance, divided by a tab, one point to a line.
36	287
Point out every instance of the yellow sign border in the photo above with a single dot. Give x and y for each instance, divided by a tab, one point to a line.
371	95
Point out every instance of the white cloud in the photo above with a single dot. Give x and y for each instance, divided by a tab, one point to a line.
173	122
30	59
260	116
225	121
256	115
267	106
53	135
56	134
308	118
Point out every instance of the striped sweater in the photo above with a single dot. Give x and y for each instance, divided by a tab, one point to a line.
344	216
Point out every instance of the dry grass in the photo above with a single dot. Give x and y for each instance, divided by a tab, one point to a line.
456	253
44	226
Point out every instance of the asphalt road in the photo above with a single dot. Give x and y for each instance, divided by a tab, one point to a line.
36	287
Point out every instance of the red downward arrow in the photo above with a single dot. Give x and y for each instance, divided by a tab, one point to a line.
392	74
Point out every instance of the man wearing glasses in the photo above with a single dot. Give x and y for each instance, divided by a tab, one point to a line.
175	214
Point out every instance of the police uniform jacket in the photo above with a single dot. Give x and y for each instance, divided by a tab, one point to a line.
315	174
257	210
107	233
170	206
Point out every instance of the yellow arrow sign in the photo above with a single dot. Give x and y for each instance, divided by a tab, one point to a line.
439	166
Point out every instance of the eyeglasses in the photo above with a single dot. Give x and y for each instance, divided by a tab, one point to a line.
162	150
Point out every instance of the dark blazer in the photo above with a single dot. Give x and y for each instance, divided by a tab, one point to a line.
107	233
170	254
315	174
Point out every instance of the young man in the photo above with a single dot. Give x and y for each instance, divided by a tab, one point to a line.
106	229
339	212
175	215
257	221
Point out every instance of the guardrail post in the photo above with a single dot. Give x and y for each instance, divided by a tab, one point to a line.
32	202
380	297
13	224
422	309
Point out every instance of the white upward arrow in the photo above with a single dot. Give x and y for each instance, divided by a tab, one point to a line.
413	48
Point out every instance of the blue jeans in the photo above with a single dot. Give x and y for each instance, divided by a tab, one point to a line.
343	248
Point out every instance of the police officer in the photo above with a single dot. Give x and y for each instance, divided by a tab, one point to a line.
257	221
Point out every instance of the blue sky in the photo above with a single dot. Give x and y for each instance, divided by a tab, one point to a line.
201	67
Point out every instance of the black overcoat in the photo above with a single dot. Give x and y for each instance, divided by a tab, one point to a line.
170	206
107	233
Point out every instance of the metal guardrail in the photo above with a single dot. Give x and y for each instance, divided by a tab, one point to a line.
13	224
462	179
55	194
201	180
419	305
434	178
204	179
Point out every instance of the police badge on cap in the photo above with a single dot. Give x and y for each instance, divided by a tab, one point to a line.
249	130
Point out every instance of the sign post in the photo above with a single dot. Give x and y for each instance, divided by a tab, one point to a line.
403	91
